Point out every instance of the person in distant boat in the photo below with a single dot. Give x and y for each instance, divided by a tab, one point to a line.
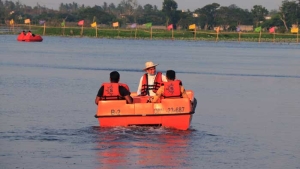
150	81
23	32
29	33
114	90
172	88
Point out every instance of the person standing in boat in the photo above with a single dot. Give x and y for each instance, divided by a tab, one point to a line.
114	90
150	81
171	89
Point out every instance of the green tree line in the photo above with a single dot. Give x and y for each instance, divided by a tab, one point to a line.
129	11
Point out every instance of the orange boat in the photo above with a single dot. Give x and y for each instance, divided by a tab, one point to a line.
170	112
29	37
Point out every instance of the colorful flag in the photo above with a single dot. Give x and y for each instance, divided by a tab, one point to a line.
218	29
133	25
193	26
94	24
80	23
27	21
272	30
238	29
115	24
41	22
148	25
63	24
258	29
294	30
170	27
11	22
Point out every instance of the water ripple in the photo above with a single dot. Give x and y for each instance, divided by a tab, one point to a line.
138	70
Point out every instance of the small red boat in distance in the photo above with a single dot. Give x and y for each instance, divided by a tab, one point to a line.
29	37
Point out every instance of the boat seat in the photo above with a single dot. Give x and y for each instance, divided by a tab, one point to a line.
140	99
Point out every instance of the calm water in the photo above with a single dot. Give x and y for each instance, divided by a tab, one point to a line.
248	112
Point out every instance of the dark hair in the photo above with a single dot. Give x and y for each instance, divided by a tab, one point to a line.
171	74
114	76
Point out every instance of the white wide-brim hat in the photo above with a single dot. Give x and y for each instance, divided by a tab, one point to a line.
149	64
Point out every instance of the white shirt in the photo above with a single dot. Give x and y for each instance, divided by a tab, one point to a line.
151	79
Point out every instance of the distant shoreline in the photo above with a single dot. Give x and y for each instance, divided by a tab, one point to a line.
162	34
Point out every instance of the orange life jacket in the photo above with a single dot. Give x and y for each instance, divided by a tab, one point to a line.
111	91
172	89
157	83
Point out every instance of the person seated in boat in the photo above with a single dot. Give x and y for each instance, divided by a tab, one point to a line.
114	90
150	81
171	89
23	33
29	33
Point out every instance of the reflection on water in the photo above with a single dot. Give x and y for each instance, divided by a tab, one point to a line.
148	147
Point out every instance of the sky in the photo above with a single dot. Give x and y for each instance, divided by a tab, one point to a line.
182	4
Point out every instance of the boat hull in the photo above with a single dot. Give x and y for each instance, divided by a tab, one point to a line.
29	38
180	121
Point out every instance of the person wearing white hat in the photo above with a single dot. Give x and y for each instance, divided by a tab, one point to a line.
151	80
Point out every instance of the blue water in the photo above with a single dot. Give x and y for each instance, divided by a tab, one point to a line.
247	115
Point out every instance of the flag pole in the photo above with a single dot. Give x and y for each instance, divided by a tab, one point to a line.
135	32
297	37
44	28
274	37
118	32
195	33
96	30
64	28
81	33
259	36
151	33
94	18
217	36
239	37
172	34
13	25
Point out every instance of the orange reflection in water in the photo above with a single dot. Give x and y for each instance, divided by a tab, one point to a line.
157	150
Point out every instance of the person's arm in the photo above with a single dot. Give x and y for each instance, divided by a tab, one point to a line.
126	94
158	94
138	92
128	99
97	99
183	92
99	94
